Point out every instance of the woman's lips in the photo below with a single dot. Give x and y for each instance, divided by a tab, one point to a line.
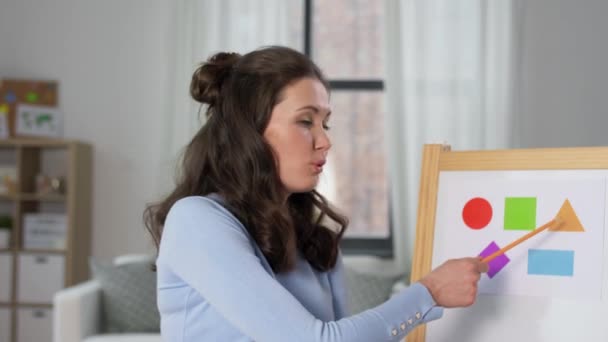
318	166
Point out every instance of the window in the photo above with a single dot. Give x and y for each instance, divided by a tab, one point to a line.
345	38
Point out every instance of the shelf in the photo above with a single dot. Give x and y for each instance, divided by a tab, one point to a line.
41	251
10	197
35	273
35	305
34	197
41	197
32	142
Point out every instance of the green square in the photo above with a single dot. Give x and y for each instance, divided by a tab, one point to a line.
520	213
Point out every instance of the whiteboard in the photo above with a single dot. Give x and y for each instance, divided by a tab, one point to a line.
528	299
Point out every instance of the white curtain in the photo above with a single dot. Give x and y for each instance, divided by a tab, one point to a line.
450	80
205	27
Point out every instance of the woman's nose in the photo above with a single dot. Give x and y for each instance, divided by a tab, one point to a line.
322	140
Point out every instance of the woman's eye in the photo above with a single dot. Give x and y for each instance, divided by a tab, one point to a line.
309	123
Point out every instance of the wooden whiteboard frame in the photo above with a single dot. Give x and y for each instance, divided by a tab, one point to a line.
437	158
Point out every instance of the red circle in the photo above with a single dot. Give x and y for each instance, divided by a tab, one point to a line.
477	213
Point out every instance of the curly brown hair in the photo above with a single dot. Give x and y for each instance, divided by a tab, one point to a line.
229	156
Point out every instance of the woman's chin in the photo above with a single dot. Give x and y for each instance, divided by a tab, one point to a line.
304	188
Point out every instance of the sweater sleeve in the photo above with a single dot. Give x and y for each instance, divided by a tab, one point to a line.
339	289
203	244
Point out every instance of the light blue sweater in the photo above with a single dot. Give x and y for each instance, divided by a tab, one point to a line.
214	284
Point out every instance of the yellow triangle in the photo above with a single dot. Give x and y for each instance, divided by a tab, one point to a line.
570	222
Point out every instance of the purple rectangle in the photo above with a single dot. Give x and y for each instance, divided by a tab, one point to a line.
498	263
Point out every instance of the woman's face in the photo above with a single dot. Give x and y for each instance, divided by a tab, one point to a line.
297	132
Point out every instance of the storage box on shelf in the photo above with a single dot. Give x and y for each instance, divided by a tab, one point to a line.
49	241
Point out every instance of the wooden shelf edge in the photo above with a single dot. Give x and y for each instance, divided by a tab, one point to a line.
33	251
40	197
35	142
33	197
33	305
41	251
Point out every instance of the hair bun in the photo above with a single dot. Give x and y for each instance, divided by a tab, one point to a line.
207	80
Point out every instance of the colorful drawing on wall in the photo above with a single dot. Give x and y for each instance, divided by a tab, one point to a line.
15	92
559	263
10	97
38	121
31	97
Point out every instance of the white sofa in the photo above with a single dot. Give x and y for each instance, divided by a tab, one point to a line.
77	313
77	310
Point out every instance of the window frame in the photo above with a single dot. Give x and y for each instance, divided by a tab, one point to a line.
381	247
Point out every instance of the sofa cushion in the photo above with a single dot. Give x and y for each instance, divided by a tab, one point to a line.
367	290
125	338
128	296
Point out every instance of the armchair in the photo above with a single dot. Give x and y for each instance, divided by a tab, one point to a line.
77	313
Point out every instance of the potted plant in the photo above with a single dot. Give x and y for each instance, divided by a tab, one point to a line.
6	225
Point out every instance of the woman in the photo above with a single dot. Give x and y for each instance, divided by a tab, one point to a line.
246	253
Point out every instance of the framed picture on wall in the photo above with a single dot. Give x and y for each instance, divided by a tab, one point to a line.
39	121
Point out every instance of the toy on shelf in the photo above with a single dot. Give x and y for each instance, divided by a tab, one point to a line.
47	185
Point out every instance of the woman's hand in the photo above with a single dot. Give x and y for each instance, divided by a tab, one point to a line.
454	283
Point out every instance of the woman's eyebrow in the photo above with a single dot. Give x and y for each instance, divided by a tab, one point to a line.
309	107
315	109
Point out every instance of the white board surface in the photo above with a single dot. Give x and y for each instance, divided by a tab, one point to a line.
528	299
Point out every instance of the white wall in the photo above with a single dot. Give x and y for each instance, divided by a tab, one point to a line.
112	59
564	74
